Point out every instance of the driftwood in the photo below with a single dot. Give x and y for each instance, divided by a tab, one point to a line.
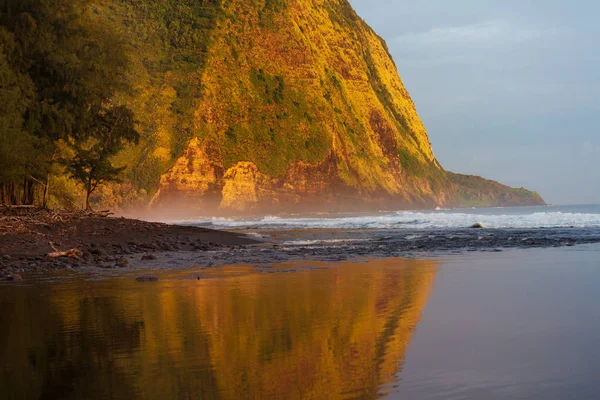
101	214
35	211
67	215
39	221
73	253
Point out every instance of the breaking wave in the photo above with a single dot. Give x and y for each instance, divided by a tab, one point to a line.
415	220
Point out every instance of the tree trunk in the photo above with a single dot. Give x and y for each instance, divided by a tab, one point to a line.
87	200
14	194
10	194
25	196
46	191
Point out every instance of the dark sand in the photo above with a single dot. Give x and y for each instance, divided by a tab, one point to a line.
27	240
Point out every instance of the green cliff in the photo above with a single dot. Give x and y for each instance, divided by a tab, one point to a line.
267	104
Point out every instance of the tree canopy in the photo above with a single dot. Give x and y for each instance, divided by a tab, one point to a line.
59	72
91	164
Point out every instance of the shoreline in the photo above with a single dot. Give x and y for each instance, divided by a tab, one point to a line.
43	241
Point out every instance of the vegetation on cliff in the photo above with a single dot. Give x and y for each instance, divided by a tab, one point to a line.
238	104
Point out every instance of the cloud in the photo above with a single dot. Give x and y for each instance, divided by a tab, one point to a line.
590	147
473	34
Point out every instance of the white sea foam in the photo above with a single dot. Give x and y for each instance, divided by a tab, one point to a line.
323	241
417	220
256	235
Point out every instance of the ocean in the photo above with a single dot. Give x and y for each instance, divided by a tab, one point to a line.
399	233
577	216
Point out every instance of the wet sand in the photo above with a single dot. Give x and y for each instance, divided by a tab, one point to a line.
523	324
520	324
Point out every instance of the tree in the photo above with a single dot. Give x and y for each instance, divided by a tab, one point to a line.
63	69
17	146
109	132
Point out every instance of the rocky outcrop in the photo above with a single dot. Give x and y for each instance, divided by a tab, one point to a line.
244	188
196	178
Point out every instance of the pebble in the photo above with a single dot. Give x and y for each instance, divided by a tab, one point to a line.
146	279
148	257
122	262
14	277
98	252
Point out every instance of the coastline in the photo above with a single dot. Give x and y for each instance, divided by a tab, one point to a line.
37	242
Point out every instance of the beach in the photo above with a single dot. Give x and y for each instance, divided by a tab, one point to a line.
34	244
33	241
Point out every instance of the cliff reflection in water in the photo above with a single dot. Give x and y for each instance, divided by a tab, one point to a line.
331	333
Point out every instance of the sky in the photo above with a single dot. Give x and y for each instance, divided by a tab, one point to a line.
507	89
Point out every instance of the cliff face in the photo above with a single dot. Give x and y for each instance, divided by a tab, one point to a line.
278	104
